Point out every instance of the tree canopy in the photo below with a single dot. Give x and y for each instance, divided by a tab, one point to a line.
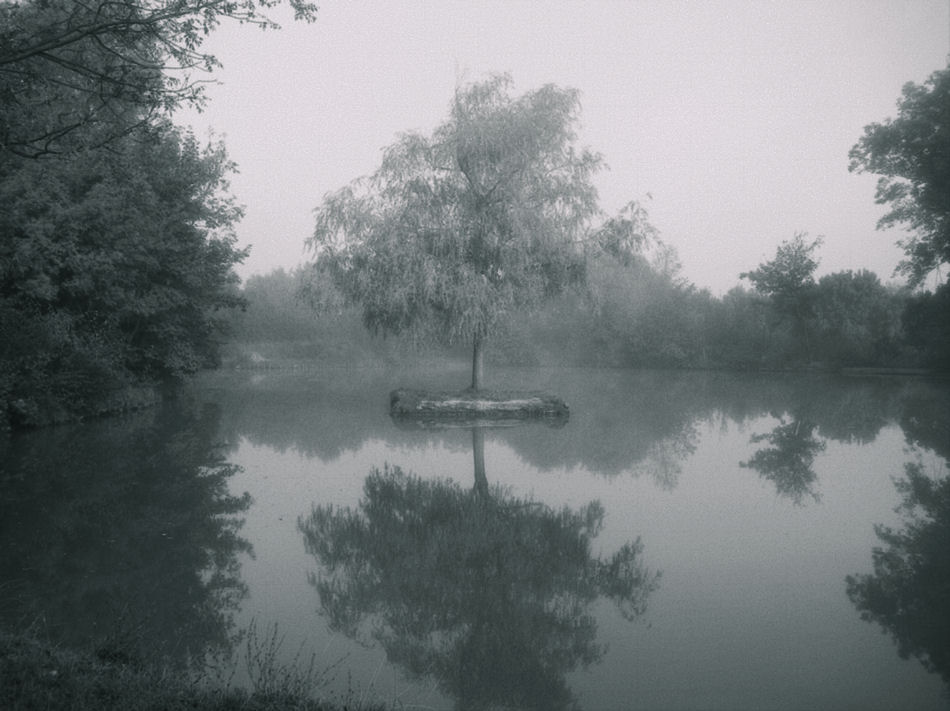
79	74
457	229
909	591
790	274
487	594
788	280
113	268
117	228
911	153
788	462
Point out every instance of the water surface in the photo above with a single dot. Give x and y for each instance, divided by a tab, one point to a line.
686	540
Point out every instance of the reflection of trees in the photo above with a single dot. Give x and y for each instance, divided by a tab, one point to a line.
909	592
121	536
925	419
621	421
788	462
485	592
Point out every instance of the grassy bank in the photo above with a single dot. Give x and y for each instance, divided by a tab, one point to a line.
34	675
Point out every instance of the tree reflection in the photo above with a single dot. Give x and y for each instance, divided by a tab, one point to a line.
121	537
487	593
908	594
788	462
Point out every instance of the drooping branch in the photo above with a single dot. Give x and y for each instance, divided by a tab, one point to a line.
61	58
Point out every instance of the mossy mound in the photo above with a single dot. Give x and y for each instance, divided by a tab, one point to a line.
473	406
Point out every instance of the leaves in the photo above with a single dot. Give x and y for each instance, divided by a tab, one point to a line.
909	590
486	593
457	229
118	263
911	153
85	74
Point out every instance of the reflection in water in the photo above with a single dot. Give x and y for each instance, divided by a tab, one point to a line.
125	529
788	462
925	419
637	422
120	537
486	593
908	594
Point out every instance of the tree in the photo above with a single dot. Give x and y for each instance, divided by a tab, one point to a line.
456	230
487	594
912	155
789	282
115	268
908	594
858	319
788	462
114	263
80	74
926	324
156	578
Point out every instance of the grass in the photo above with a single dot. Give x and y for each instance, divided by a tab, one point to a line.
35	675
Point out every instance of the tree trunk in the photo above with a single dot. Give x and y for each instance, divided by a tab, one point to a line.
477	362
478	452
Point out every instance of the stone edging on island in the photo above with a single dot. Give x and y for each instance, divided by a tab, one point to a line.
483	404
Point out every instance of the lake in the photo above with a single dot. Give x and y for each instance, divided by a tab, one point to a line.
684	540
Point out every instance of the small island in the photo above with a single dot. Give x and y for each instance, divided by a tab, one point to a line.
494	407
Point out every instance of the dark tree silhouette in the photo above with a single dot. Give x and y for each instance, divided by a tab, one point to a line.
122	538
82	74
484	592
789	283
910	154
908	594
788	462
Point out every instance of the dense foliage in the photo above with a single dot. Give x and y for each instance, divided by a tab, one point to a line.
114	266
789	283
907	594
520	602
457	230
116	242
643	314
911	153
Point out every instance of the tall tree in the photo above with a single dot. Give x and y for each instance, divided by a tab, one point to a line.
76	74
487	594
788	280
912	155
858	319
114	267
114	262
456	230
908	594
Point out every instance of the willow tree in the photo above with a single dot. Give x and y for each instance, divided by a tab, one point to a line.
488	595
458	229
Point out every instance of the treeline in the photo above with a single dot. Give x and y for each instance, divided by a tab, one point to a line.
115	270
639	312
290	316
116	226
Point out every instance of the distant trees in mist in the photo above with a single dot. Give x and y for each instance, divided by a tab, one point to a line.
640	312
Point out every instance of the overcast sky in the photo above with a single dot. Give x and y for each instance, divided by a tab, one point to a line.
735	116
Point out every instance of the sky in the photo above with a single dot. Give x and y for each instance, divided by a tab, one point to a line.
729	120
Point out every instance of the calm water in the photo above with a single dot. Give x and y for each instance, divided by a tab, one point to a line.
684	541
